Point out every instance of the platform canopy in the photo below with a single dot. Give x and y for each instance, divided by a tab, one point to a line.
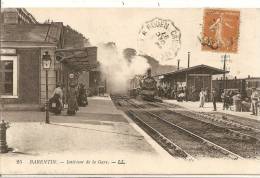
199	70
78	59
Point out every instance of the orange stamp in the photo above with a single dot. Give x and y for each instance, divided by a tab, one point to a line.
220	30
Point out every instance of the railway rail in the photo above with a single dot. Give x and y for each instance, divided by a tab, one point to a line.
176	139
237	142
236	129
213	148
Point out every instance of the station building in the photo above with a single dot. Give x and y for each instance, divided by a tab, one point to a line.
192	79
16	16
23	43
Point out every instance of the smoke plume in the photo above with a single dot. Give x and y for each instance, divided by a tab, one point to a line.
117	69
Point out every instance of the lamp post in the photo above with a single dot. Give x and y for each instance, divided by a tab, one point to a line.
46	64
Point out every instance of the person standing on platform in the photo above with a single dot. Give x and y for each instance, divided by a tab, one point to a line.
72	96
186	93
224	97
58	91
207	94
254	101
214	99
202	98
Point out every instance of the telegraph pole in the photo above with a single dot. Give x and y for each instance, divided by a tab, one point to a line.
188	59
225	59
224	68
186	92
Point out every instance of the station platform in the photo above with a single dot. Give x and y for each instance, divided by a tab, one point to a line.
242	117
98	141
21	107
98	133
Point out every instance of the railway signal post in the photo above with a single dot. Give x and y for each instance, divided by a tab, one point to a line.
225	59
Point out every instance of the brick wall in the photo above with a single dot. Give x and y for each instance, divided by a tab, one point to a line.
28	76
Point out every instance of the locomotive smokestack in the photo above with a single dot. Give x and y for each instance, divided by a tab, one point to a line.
178	66
188	59
149	72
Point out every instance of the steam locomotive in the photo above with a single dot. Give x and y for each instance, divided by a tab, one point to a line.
144	87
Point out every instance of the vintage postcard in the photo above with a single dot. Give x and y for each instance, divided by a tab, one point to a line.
129	91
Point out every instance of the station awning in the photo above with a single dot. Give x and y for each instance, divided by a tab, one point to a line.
79	59
198	70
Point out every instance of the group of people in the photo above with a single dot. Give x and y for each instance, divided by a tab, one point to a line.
182	93
74	96
70	99
169	92
229	98
203	96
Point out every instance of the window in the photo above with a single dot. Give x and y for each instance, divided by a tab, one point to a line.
8	76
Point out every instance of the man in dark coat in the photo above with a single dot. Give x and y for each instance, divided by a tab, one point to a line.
214	99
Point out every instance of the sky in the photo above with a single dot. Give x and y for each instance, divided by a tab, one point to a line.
122	26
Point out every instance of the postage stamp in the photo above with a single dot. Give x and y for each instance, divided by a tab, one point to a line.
160	38
220	30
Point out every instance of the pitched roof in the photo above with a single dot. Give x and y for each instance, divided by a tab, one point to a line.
34	33
213	70
78	58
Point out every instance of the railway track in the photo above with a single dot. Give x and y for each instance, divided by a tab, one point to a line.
177	140
236	129
242	144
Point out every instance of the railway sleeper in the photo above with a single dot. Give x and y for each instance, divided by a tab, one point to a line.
233	133
231	123
170	147
214	118
216	147
165	142
240	136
